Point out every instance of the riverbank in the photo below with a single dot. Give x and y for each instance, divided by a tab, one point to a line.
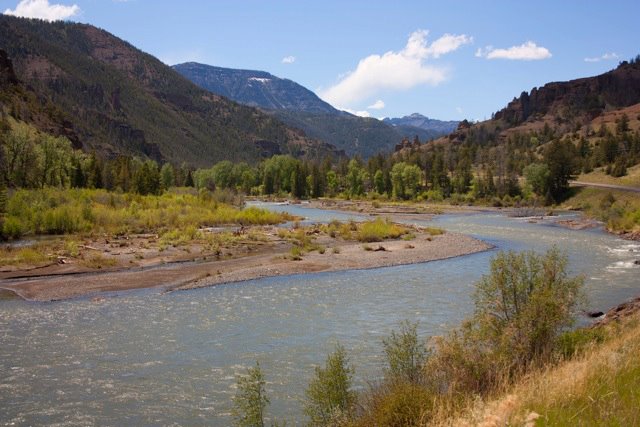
253	255
597	386
407	210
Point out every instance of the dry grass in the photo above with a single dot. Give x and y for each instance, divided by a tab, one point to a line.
620	210
598	176
599	387
98	261
32	255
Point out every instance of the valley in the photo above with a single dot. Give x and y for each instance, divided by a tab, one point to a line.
245	213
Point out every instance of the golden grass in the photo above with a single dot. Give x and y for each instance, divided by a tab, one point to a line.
619	210
598	176
379	230
32	255
601	386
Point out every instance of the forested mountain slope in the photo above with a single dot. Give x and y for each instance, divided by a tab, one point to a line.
109	97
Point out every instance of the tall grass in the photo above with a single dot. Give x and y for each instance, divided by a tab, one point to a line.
620	210
600	386
56	211
379	230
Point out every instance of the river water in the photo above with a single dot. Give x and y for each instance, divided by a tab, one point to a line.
146	358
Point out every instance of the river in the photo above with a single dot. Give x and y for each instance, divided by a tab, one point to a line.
146	358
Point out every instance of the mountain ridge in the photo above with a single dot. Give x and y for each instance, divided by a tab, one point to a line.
254	88
575	108
299	107
119	100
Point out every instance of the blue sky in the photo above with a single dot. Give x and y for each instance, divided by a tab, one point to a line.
446	60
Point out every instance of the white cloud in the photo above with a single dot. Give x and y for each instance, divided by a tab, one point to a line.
399	70
528	51
289	59
605	57
447	43
41	9
459	110
378	105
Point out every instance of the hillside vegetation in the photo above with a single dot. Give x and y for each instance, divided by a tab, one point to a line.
107	96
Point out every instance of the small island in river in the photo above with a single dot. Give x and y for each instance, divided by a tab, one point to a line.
141	261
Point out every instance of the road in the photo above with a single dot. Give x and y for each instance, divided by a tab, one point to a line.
609	186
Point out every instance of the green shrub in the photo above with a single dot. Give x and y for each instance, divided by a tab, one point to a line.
433	231
12	228
329	396
379	230
296	253
405	354
67	211
521	309
573	342
250	399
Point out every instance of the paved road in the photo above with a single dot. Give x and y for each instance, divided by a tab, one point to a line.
609	186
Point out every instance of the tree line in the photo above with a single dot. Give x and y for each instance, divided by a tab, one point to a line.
523	167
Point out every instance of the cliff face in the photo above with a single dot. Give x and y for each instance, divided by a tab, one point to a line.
587	97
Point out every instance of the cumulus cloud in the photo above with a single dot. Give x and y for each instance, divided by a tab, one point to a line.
393	70
605	57
41	9
378	105
528	51
289	59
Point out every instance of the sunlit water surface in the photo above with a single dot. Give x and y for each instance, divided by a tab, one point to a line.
145	358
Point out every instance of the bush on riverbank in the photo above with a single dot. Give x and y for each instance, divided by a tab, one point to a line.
379	230
521	310
598	386
619	210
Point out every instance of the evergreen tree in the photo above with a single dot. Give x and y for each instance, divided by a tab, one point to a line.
560	158
188	182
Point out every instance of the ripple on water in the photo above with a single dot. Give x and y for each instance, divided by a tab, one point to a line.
149	359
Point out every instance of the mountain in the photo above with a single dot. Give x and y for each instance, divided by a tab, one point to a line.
576	99
424	127
255	88
575	108
109	97
300	108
